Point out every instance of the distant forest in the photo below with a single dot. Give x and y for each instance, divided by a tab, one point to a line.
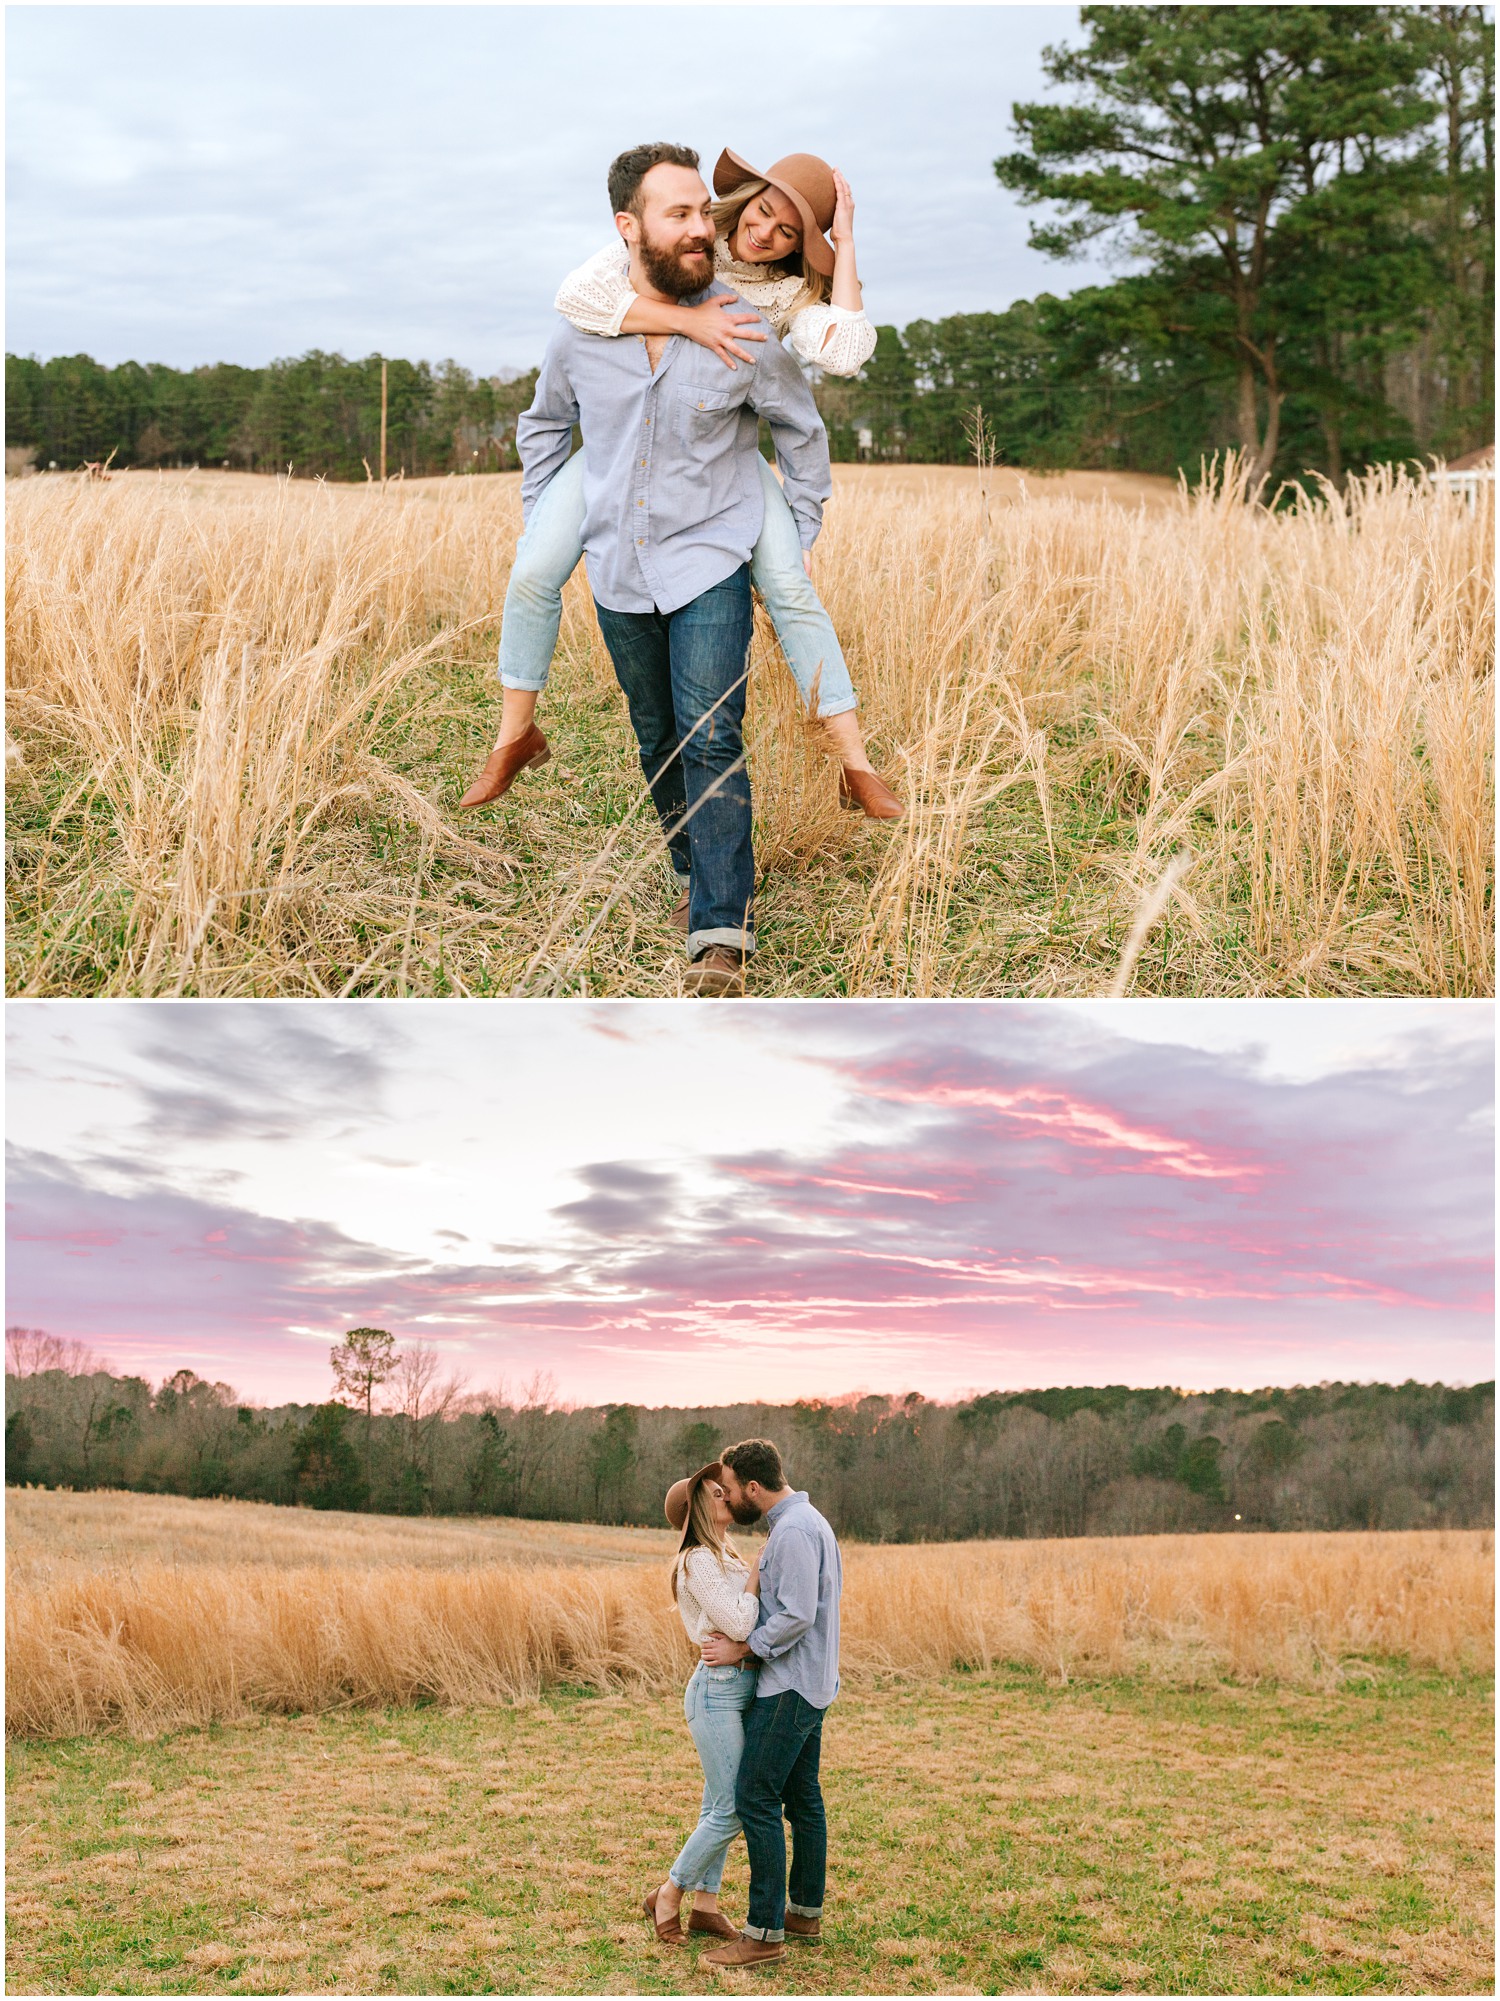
403	1436
1302	201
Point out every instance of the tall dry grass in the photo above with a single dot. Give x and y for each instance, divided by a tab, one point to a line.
52	1532
156	1646
242	712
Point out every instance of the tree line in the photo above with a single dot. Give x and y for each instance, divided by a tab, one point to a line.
403	1434
1303	199
317	414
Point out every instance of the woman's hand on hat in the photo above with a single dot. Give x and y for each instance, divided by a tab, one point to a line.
842	229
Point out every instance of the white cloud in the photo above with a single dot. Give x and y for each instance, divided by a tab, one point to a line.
190	184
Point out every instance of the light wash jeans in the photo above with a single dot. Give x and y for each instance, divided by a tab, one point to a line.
714	1705
550	549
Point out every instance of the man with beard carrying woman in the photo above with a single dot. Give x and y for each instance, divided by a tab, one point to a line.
673	506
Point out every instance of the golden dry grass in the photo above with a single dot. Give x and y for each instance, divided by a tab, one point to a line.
143	1645
242	712
51	1531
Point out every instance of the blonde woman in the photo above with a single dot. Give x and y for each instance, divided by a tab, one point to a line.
770	246
716	1592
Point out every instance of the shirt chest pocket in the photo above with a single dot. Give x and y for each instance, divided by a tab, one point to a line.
704	414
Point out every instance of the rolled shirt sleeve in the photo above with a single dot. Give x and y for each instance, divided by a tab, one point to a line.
544	433
795	1564
782	397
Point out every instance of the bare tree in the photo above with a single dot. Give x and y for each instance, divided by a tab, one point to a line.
534	1435
30	1351
423	1394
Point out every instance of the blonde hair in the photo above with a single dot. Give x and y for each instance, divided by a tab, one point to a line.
700	1530
726	214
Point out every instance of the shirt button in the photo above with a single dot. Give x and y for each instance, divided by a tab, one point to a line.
640	503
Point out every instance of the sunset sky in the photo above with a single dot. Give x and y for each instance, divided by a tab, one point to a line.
677	1205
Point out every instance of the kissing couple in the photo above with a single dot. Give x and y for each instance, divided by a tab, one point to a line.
768	1636
668	355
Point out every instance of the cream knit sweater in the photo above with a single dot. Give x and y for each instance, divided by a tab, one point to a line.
597	296
712	1600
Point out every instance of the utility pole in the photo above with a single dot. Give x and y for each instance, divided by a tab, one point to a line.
383	389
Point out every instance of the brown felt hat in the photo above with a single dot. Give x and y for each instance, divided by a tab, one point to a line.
806	181
680	1492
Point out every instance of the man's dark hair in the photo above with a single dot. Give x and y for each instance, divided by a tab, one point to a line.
628	171
755	1459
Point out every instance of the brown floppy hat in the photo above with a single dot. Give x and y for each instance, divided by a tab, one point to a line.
679	1491
806	181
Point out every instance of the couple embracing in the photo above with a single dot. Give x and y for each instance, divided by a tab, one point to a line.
768	1634
668	355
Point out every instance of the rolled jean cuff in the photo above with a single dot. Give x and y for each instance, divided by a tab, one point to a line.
765	1934
803	1910
727	934
526	687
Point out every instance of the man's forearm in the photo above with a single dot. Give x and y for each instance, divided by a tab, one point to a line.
543	460
806	474
544	433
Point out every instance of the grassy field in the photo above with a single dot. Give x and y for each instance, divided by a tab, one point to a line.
1153	742
990	1833
51	1532
1170	1764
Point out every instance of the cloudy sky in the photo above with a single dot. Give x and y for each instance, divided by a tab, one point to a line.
682	1205
189	184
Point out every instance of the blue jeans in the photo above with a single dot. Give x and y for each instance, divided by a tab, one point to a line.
714	1705
779	1777
683	673
548	553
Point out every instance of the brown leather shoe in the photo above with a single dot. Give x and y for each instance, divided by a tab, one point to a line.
746	1952
718	974
669	1931
870	794
799	1927
503	766
713	1921
679	917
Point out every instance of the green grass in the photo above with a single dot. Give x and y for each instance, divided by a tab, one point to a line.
987	1834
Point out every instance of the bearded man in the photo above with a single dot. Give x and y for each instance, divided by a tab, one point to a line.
672	510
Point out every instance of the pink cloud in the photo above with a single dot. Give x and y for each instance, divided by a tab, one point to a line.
989	1214
1091	1128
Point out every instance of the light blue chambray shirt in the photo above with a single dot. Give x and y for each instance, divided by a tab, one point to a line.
672	495
801	1577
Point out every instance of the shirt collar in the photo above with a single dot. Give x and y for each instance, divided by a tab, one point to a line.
772	1513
